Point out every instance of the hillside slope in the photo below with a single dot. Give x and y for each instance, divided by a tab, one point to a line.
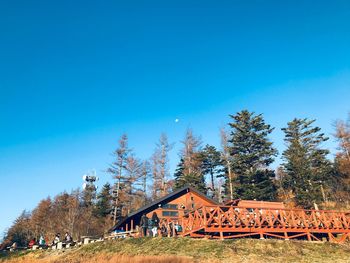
184	250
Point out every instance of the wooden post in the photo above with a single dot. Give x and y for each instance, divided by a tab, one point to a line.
132	225
204	216
308	236
127	228
330	237
221	235
182	226
286	236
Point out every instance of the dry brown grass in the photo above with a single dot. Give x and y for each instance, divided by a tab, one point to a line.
102	258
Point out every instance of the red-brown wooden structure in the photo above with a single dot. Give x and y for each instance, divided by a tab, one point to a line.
225	222
199	216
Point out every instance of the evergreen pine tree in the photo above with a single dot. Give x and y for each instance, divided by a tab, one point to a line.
104	201
308	172
212	166
182	178
88	195
179	175
252	153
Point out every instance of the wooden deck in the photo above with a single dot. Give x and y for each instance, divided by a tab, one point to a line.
224	222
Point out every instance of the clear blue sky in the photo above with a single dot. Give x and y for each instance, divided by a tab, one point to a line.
75	75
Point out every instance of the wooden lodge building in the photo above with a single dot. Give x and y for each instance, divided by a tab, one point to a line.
199	216
175	205
171	207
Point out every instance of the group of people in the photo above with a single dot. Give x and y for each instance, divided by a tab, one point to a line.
44	244
41	243
67	238
151	227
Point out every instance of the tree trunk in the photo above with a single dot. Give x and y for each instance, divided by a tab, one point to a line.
212	183
230	180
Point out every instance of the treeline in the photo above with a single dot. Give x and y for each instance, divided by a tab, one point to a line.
239	168
308	177
77	213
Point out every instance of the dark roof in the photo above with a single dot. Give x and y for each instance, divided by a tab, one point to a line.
161	200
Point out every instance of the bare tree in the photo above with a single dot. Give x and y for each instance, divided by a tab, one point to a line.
117	169
160	166
74	212
145	175
342	161
190	153
155	175
39	216
343	136
227	160
190	168
132	183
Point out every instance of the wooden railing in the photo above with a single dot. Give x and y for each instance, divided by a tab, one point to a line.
266	221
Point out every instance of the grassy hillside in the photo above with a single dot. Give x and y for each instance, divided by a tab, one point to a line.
184	250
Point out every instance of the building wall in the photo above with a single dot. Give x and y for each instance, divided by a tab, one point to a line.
177	207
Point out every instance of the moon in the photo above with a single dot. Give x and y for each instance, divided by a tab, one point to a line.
177	120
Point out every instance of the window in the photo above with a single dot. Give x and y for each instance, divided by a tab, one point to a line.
170	213
169	206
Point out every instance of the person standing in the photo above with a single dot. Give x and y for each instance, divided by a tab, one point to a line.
150	226
144	225
155	224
